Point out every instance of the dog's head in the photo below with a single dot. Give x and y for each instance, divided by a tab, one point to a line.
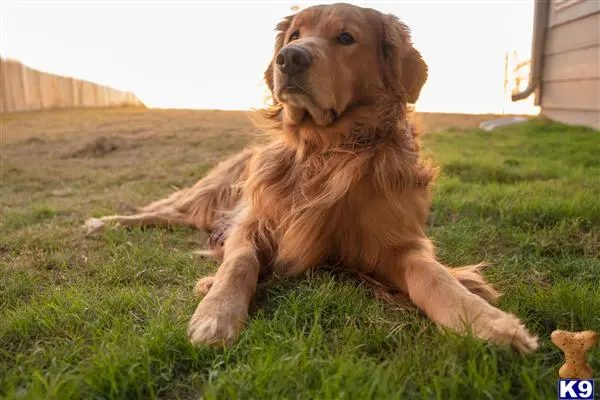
329	59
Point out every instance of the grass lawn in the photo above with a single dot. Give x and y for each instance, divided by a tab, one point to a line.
105	317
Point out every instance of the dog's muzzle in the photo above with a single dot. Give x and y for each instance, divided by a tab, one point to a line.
293	60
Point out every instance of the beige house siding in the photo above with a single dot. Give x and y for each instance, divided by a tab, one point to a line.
577	64
575	35
563	11
570	84
580	94
573	117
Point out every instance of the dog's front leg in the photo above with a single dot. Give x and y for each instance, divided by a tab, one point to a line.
448	303
222	313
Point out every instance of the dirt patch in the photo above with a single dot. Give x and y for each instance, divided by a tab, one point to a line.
98	147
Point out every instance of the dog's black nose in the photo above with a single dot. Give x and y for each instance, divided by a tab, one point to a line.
293	60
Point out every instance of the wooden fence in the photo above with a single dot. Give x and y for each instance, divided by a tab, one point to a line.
23	88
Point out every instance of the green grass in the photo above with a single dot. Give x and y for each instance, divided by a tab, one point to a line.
105	317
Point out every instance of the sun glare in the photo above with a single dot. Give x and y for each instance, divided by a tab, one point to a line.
212	55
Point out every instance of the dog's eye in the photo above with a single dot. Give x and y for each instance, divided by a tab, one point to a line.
294	36
345	38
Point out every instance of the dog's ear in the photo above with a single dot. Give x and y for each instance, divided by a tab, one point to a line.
281	28
404	68
414	74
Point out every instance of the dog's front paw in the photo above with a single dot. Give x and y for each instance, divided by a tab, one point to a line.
507	329
217	322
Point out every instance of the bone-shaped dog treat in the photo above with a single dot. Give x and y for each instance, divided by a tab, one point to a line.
575	345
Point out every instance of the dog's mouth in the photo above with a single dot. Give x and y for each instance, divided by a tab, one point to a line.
333	117
294	94
292	89
300	107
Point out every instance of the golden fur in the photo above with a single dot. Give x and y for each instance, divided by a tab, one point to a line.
341	182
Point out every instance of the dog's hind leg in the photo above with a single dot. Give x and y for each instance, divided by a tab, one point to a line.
201	206
161	218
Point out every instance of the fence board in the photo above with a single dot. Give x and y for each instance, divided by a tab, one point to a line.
23	88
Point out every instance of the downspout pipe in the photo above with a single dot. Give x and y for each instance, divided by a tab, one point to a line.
540	23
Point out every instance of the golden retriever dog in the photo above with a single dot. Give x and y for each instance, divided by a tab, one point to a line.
341	183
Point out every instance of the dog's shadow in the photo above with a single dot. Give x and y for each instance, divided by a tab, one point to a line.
272	287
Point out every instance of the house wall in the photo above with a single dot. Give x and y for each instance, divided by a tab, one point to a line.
570	88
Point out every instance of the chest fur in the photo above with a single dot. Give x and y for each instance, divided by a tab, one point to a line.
345	208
